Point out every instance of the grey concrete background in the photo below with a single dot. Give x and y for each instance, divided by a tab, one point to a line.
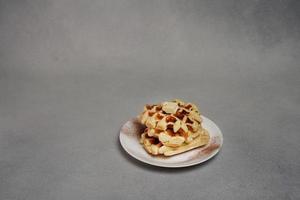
72	72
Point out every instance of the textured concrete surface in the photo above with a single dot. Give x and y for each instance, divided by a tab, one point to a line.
72	72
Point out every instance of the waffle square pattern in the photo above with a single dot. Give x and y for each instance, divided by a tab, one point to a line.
172	127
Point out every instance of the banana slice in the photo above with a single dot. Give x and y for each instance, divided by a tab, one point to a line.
199	141
162	124
175	141
170	107
151	123
176	126
154	149
184	127
144	117
151	133
163	137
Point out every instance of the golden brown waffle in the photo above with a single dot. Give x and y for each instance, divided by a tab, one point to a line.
172	127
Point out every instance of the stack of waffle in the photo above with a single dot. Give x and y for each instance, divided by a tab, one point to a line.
172	127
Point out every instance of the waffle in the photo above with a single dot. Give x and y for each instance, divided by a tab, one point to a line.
172	127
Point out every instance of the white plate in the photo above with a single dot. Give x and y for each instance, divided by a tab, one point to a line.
129	139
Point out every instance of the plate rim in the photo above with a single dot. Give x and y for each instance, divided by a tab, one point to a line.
179	165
